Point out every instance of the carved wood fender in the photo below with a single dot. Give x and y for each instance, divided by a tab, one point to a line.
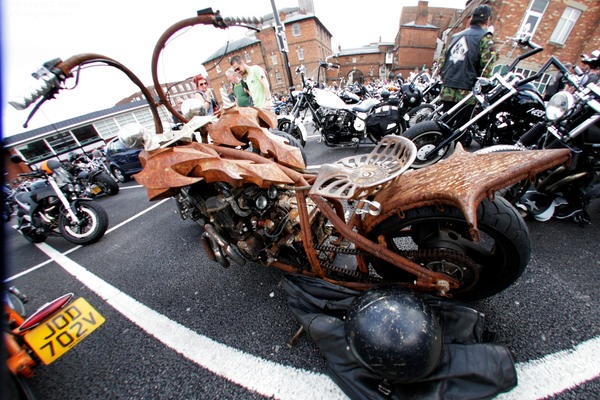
462	180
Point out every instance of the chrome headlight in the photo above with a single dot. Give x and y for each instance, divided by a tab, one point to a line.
132	135
559	104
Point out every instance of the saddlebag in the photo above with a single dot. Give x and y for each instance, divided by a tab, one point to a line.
383	122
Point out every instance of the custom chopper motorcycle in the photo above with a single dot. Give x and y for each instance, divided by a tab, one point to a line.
507	106
361	222
572	122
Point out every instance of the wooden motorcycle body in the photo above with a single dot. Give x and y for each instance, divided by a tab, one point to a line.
283	216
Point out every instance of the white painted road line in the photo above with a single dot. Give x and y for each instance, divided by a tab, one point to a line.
256	374
557	372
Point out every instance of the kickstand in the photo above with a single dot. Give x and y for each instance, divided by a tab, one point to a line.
294	339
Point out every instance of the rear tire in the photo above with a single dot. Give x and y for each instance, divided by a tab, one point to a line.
423	112
94	223
443	243
107	184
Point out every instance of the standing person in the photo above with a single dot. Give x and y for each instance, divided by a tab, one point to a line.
257	82
205	95
470	55
178	103
241	92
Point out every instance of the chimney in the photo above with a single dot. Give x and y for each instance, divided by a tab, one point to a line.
422	13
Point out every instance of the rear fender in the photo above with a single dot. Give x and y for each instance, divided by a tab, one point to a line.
462	180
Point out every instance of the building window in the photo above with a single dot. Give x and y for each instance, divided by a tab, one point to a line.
300	53
278	78
533	16
296	29
353	60
144	118
540	83
107	128
247	57
125	119
86	135
35	151
62	142
273	59
218	68
565	25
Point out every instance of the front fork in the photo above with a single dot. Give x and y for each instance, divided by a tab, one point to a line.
69	207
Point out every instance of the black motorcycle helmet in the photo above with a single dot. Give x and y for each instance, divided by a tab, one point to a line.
393	333
411	95
72	156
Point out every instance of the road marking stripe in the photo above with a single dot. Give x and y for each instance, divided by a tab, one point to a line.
538	379
40	265
555	373
254	373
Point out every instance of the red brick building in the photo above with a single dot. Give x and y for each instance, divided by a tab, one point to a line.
308	43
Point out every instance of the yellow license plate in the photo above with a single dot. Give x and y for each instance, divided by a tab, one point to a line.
62	331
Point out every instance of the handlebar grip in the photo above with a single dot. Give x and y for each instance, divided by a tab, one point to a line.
45	82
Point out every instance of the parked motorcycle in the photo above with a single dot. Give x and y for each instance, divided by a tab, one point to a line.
346	125
572	122
362	222
54	205
8	203
507	106
91	173
281	107
43	337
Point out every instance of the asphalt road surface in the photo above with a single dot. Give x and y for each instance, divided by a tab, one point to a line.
179	326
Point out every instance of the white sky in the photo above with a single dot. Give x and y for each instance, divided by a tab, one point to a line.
35	31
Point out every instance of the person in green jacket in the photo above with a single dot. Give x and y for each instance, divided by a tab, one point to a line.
257	82
240	89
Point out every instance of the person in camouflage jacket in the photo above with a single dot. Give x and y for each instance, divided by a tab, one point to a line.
471	54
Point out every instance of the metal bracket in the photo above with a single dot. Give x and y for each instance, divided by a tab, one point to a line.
368	207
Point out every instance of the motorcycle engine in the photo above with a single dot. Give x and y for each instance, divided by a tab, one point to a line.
337	125
263	224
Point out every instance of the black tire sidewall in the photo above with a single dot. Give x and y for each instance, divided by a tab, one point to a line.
98	230
499	219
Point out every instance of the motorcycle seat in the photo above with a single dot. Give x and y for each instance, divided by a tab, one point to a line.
358	176
364	106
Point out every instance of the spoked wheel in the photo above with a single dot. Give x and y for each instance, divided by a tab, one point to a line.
93	223
284	126
423	112
426	136
440	241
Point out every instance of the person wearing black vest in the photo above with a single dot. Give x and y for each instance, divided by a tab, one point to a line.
470	54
